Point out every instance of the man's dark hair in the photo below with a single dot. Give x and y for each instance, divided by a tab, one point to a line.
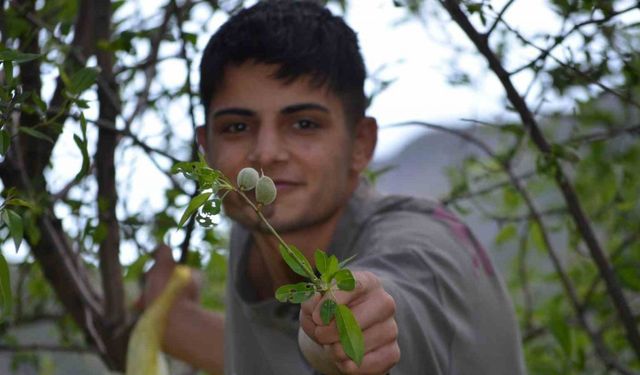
301	37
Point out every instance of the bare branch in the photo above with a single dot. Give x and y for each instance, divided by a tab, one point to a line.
558	40
46	348
109	251
110	125
523	274
632	238
151	65
603	135
499	17
624	98
184	255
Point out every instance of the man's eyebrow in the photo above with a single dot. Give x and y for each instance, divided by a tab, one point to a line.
303	107
233	111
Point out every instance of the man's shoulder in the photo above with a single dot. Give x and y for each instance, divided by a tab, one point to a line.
398	216
422	228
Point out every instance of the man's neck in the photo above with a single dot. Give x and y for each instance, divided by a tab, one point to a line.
267	270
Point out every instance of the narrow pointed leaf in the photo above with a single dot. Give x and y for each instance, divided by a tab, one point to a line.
193	206
295	293
19	202
350	334
82	146
345	280
82	80
35	133
16	56
328	310
346	261
16	229
296	261
332	267
5	286
322	261
5	141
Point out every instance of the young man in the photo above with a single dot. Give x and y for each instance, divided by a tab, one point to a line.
282	84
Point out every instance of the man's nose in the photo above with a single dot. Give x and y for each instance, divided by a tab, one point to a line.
269	147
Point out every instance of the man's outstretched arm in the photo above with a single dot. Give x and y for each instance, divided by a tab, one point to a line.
193	334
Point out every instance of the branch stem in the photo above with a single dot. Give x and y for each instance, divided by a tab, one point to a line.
257	210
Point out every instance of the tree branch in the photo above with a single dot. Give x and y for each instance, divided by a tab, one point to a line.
115	318
184	248
499	18
605	88
536	217
570	197
558	40
46	348
151	65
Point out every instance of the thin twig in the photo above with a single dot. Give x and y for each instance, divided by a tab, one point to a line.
150	70
46	348
558	40
499	18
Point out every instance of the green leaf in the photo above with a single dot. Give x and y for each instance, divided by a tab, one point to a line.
295	293
17	56
629	275
536	236
506	233
296	260
19	202
136	269
36	134
346	261
85	157
193	206
565	153
5	141
82	80
350	334
328	310
37	100
190	37
517	130
511	198
5	286
322	261
345	280
14	222
212	207
560	330
332	267
8	73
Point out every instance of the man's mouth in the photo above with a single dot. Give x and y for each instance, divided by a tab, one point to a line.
284	185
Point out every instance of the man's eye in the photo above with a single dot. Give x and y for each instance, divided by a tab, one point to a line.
235	127
305	124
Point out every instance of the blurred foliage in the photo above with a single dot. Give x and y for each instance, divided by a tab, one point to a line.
584	89
581	83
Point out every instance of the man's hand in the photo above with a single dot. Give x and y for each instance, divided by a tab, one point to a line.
192	334
374	309
158	276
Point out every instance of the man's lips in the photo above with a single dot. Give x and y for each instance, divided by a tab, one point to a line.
286	184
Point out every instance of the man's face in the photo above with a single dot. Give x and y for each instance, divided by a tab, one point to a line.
293	132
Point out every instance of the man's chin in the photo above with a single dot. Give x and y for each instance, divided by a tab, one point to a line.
252	222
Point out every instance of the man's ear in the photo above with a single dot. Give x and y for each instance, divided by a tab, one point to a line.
365	139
